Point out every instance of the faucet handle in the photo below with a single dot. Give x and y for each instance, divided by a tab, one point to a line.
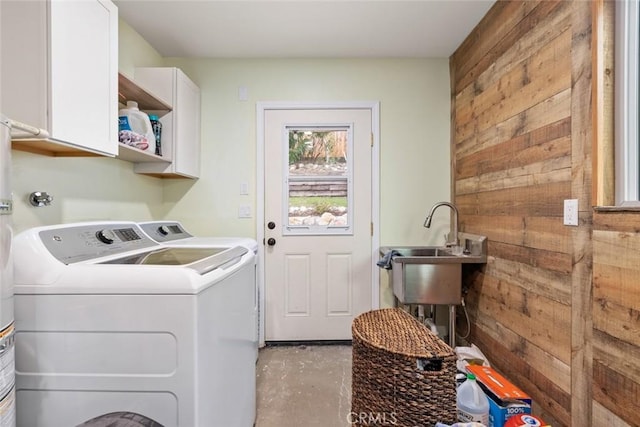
450	243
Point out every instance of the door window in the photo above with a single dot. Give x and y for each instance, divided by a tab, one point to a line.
318	180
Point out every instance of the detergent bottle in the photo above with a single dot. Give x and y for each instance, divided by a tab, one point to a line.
472	403
135	127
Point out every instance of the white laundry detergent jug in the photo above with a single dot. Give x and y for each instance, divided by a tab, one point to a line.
472	403
135	127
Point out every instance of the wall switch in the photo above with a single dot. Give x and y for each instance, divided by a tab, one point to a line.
571	212
244	211
244	188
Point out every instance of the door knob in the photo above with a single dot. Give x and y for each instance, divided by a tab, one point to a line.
271	225
271	241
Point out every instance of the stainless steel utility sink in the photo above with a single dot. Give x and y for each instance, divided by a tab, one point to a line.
433	274
423	275
422	251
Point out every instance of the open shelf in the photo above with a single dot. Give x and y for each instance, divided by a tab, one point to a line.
132	154
130	91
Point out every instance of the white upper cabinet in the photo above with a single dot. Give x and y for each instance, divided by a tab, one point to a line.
60	74
180	127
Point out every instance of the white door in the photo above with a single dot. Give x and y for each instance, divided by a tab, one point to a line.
318	222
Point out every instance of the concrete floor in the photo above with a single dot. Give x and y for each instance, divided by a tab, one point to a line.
304	386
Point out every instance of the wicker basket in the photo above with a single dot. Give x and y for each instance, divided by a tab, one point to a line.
403	374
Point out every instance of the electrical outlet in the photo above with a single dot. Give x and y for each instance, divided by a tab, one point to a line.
244	211
571	212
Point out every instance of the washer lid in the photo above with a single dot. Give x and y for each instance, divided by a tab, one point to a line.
202	260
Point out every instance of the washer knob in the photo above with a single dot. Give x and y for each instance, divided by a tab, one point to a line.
106	236
163	229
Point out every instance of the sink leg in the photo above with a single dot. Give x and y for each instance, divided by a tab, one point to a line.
452	326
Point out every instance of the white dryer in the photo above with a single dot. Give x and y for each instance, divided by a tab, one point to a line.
173	233
108	320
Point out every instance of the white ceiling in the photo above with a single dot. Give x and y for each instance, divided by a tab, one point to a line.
304	28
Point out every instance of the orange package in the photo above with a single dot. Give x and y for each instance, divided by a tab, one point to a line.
505	399
502	388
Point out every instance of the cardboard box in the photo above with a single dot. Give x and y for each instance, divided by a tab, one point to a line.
505	399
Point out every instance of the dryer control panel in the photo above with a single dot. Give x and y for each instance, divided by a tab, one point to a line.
80	243
165	231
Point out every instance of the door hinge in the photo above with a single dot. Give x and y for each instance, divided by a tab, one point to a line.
371	229
372	139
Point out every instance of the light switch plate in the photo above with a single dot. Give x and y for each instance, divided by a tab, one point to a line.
244	188
571	212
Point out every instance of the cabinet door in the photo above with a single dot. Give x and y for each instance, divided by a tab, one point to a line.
84	73
180	127
23	28
187	131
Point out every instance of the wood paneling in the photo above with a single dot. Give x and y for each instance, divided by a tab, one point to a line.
581	166
513	48
549	111
528	315
518	367
546	72
604	417
545	143
538	200
621	222
616	317
543	261
500	20
556	308
616	392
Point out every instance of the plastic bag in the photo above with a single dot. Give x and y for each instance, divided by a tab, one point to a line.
470	356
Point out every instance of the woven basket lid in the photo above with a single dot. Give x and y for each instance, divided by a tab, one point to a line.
396	331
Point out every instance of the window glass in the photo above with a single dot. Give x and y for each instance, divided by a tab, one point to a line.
627	154
318	180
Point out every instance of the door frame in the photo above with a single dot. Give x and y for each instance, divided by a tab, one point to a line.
261	108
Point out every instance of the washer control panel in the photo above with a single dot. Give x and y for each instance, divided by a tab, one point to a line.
84	242
165	231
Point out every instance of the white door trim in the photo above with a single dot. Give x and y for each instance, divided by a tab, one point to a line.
374	106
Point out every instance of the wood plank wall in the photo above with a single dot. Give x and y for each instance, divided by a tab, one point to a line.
556	308
616	318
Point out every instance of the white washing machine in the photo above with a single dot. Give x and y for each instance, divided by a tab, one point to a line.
109	320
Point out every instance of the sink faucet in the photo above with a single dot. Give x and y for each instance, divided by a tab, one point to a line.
427	221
